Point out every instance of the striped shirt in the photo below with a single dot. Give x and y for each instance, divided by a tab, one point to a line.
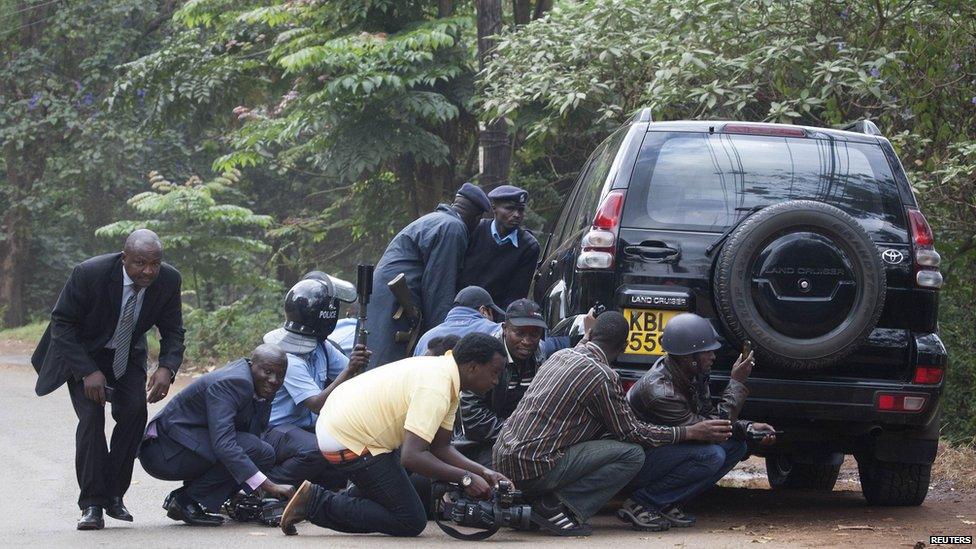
574	398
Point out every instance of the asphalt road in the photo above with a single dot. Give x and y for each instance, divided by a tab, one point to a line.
38	504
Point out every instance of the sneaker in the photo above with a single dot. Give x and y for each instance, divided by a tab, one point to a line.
557	520
641	518
677	517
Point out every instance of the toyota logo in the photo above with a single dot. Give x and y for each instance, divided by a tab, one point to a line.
892	257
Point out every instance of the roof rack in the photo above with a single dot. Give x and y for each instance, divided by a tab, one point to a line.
862	126
643	115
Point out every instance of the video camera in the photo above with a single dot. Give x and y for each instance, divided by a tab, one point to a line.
505	509
251	508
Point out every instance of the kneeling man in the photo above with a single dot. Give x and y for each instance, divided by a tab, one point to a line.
675	392
208	436
397	417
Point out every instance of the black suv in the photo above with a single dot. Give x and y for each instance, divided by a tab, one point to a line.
809	243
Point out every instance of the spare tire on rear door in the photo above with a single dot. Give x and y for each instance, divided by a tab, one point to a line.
802	281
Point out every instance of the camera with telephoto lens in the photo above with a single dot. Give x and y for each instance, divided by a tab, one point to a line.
504	509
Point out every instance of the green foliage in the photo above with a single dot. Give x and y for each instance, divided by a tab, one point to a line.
216	245
346	89
30	333
233	330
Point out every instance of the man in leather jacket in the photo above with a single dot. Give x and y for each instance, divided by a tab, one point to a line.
675	392
482	416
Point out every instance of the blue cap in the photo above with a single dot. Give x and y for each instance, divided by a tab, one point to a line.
476	297
475	195
509	193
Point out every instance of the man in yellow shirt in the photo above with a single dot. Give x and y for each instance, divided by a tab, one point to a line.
399	416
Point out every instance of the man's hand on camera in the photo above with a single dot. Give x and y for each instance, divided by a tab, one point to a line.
494	477
479	488
710	430
278	491
758	428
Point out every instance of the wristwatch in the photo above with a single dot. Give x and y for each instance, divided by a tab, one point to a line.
466	480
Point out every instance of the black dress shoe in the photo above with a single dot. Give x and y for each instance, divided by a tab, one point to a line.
91	518
116	509
172	505
194	515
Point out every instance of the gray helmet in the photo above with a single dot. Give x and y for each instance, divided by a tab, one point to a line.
687	334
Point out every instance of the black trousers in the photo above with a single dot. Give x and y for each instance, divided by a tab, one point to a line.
298	458
381	500
206	482
105	470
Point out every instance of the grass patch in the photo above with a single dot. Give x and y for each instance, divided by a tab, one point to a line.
956	464
30	333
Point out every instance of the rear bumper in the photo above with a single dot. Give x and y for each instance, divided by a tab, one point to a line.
820	417
809	402
846	401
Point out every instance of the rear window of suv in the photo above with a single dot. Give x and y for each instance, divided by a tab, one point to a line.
708	182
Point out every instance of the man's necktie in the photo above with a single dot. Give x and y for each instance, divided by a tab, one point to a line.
124	337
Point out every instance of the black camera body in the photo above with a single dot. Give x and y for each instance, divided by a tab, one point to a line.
505	509
251	508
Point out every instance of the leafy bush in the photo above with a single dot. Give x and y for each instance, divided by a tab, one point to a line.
232	331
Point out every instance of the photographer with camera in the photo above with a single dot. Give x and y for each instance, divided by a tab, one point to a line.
675	392
380	423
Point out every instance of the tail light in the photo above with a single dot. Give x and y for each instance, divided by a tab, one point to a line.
928	375
897	402
927	260
599	244
627	384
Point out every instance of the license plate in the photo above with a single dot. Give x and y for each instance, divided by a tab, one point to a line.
646	327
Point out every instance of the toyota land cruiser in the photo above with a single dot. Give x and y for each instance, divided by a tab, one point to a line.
806	241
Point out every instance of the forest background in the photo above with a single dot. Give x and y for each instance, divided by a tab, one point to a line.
263	139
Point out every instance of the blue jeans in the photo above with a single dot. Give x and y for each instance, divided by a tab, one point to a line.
679	472
382	500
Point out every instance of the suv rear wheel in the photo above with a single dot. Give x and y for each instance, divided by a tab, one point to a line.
893	484
785	474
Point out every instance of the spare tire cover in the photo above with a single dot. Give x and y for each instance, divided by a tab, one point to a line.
803	281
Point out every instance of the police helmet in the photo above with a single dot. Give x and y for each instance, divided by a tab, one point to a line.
311	309
687	334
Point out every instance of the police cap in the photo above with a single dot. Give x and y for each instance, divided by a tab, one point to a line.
475	195
509	193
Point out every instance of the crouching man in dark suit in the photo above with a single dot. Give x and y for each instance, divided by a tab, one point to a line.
208	436
96	343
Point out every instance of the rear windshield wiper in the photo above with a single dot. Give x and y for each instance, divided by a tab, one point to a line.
715	245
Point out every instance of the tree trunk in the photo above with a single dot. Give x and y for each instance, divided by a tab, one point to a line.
23	168
16	240
522	10
445	8
541	7
496	148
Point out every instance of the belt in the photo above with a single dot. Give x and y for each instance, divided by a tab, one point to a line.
343	456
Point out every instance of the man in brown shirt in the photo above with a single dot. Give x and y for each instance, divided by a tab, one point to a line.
555	445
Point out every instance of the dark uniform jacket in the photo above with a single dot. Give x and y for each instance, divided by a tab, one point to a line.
430	251
502	269
87	312
206	417
482	416
669	395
